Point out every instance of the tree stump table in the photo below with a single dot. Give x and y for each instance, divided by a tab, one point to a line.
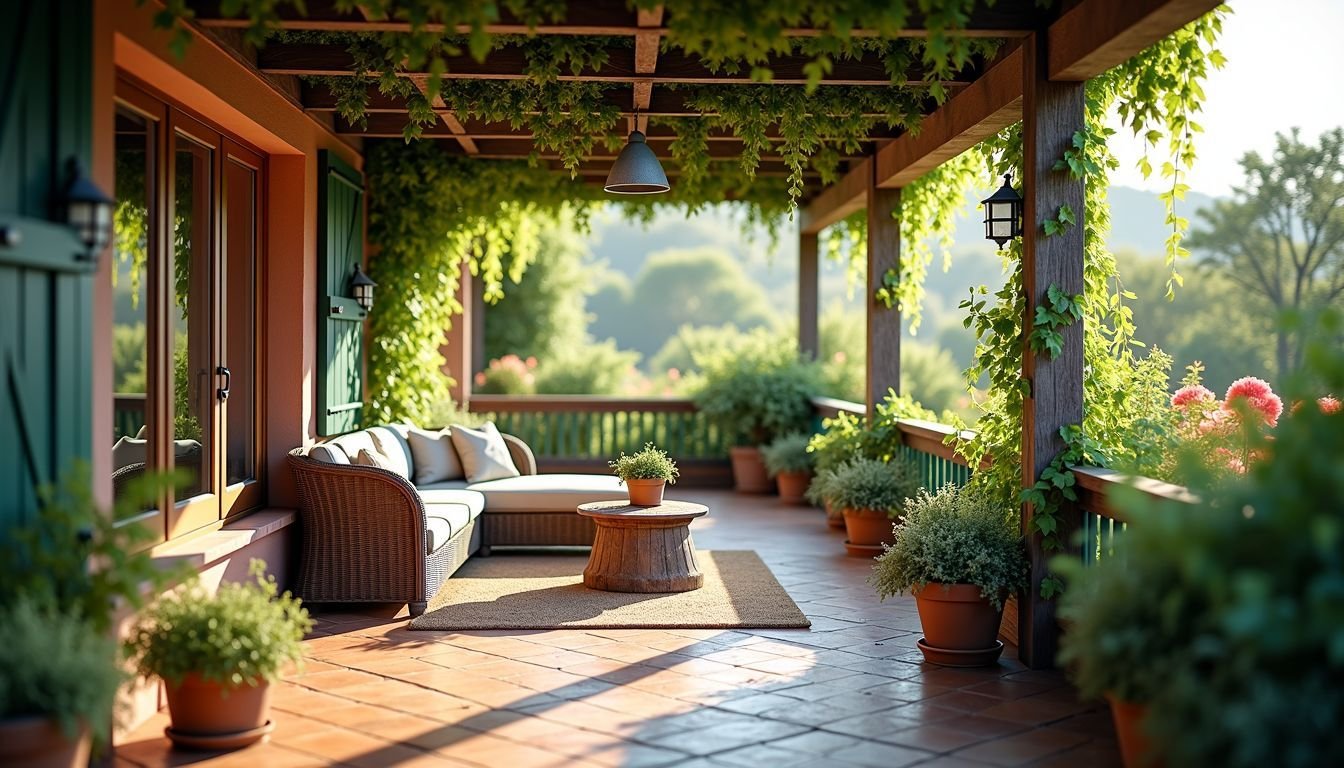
643	549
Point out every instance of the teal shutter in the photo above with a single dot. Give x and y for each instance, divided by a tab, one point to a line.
46	288
340	337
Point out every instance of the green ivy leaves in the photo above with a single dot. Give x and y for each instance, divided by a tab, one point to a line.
1058	311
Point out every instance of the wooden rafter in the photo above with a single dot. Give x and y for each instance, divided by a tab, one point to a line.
848	195
390	124
449	120
646	62
1095	35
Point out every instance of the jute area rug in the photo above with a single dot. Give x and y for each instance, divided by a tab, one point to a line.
546	592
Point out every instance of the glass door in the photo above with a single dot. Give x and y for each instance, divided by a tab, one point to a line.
239	320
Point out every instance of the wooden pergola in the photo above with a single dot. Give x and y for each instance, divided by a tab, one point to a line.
1036	77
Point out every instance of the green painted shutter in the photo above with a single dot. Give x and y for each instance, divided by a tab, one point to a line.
340	337
46	289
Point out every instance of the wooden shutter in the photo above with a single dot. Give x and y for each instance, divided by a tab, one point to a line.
340	336
46	288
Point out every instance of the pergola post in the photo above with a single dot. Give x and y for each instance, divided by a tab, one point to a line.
477	310
809	336
459	344
1051	113
884	325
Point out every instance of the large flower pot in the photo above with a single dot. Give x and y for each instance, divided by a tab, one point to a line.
645	493
793	486
211	715
835	516
1135	749
868	530
749	475
961	628
39	742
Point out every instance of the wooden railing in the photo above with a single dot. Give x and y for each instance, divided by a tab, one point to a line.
926	443
128	414
581	433
1102	523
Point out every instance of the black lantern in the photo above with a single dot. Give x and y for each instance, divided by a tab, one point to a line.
363	288
88	211
636	170
1003	213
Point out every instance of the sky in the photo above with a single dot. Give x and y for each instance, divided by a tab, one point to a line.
1285	61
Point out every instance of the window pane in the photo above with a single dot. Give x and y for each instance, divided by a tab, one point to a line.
240	238
193	379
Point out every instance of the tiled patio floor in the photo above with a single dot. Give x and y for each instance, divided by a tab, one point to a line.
850	691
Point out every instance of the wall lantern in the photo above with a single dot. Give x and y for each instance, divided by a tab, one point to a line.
1003	213
636	170
363	288
88	211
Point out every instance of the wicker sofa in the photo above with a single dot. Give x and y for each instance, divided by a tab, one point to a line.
371	535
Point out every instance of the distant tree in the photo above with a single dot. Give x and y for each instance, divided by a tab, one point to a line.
588	369
1281	236
546	311
609	302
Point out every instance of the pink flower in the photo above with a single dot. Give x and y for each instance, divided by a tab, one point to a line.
673	374
1214	421
1195	393
531	362
1258	396
839	357
480	379
1328	404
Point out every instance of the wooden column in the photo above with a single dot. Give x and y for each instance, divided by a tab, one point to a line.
884	325
809	337
477	310
1051	113
459	345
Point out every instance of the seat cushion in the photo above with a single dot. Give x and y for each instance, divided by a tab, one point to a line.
547	493
473	500
443	522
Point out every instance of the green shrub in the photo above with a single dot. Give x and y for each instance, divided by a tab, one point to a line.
647	464
820	490
758	395
842	439
587	369
788	454
872	484
53	664
243	634
953	537
448	413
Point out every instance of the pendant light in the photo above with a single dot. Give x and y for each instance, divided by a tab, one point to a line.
636	170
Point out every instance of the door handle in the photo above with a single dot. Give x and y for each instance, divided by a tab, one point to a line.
223	392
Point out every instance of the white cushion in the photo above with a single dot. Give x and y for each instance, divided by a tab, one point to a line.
391	442
443	522
435	458
484	454
330	454
367	458
128	451
548	493
443	485
472	500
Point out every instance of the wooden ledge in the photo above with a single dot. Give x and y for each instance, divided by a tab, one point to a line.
201	550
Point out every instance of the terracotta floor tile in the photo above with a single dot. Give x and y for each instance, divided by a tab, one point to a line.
1023	748
880	755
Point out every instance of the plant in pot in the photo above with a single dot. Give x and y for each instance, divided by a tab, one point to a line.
646	473
960	554
218	654
843	438
58	679
753	398
790	463
66	573
871	494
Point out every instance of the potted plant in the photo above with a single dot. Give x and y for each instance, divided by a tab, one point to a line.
58	679
218	654
646	473
819	494
790	463
753	398
960	554
871	494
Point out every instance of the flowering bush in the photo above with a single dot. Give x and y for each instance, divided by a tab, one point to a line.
1223	432
507	375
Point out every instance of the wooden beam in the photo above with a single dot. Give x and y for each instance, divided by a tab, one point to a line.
387	124
1097	35
987	106
449	119
884	325
1052	113
839	200
674	66
809	283
646	62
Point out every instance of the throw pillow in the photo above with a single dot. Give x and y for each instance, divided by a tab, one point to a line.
484	454
434	456
367	458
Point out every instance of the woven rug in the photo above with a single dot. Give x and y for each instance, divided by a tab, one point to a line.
546	592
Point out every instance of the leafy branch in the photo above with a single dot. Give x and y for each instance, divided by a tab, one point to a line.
1058	311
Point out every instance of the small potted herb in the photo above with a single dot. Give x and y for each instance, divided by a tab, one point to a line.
218	654
871	493
58	679
960	554
646	473
789	462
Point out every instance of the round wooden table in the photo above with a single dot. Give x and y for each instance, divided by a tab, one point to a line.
643	549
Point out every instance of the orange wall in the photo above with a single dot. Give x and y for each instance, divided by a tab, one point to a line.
210	82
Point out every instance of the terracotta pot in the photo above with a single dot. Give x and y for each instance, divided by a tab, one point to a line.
749	475
39	742
645	493
868	527
793	486
208	708
1135	749
956	618
835	517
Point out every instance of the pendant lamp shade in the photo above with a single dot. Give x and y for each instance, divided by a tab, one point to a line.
637	170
